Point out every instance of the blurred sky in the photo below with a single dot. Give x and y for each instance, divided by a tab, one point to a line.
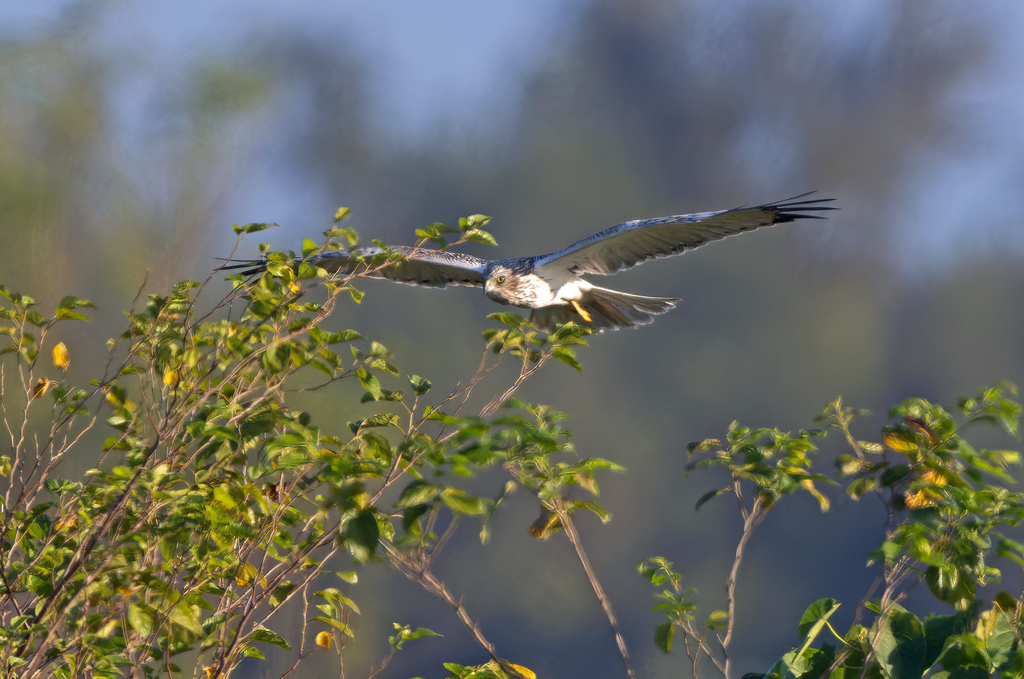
561	118
461	67
427	70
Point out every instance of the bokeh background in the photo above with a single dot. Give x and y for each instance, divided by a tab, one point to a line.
132	135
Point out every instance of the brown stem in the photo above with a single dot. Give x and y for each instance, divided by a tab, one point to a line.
751	520
570	531
418	572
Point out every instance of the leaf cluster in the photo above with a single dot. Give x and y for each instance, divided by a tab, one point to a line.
214	504
948	509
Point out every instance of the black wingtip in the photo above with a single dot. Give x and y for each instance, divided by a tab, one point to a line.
250	267
790	209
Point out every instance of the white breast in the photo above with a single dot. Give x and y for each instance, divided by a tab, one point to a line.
537	290
562	289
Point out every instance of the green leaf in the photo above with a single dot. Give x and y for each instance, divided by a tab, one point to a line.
997	630
280	593
420	385
473	222
370	383
405	634
462	502
597	509
309	246
815	616
251	228
439	228
510	319
139	620
567	356
803	663
899	644
663	635
361	535
72	302
417	493
479	236
950	583
343	336
717	620
267	636
59	486
381	420
709	495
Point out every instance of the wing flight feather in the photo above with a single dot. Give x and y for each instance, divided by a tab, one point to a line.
634	242
432	268
420	266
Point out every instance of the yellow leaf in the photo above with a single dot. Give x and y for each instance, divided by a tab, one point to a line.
67	524
922	428
529	674
919	498
61	356
323	640
171	377
900	442
823	501
493	666
246	575
935	476
987	623
41	387
545	525
587	483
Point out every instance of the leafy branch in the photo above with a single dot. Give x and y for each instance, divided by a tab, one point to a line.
947	509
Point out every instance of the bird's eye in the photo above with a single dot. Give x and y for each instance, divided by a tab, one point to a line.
500	280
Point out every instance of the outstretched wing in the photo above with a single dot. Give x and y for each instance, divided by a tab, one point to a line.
419	266
631	243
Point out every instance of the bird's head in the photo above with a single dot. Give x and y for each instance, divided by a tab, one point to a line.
516	285
500	285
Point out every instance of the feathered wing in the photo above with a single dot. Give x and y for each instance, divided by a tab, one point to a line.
606	310
420	266
631	243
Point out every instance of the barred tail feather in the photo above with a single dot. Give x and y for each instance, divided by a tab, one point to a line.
607	309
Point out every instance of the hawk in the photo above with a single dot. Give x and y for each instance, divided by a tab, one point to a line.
551	285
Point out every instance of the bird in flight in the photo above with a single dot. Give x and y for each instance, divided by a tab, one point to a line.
551	285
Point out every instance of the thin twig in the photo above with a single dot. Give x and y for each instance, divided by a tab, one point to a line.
570	531
751	519
524	374
421	575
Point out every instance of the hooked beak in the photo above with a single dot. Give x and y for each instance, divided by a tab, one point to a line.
491	291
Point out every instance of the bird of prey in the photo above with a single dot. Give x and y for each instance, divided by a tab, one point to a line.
551	285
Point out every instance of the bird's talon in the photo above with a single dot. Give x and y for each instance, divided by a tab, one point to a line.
581	311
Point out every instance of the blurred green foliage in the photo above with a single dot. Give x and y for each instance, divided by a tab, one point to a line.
215	505
119	149
948	507
217	502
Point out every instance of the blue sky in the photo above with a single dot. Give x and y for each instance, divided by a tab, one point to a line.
460	67
429	73
426	69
